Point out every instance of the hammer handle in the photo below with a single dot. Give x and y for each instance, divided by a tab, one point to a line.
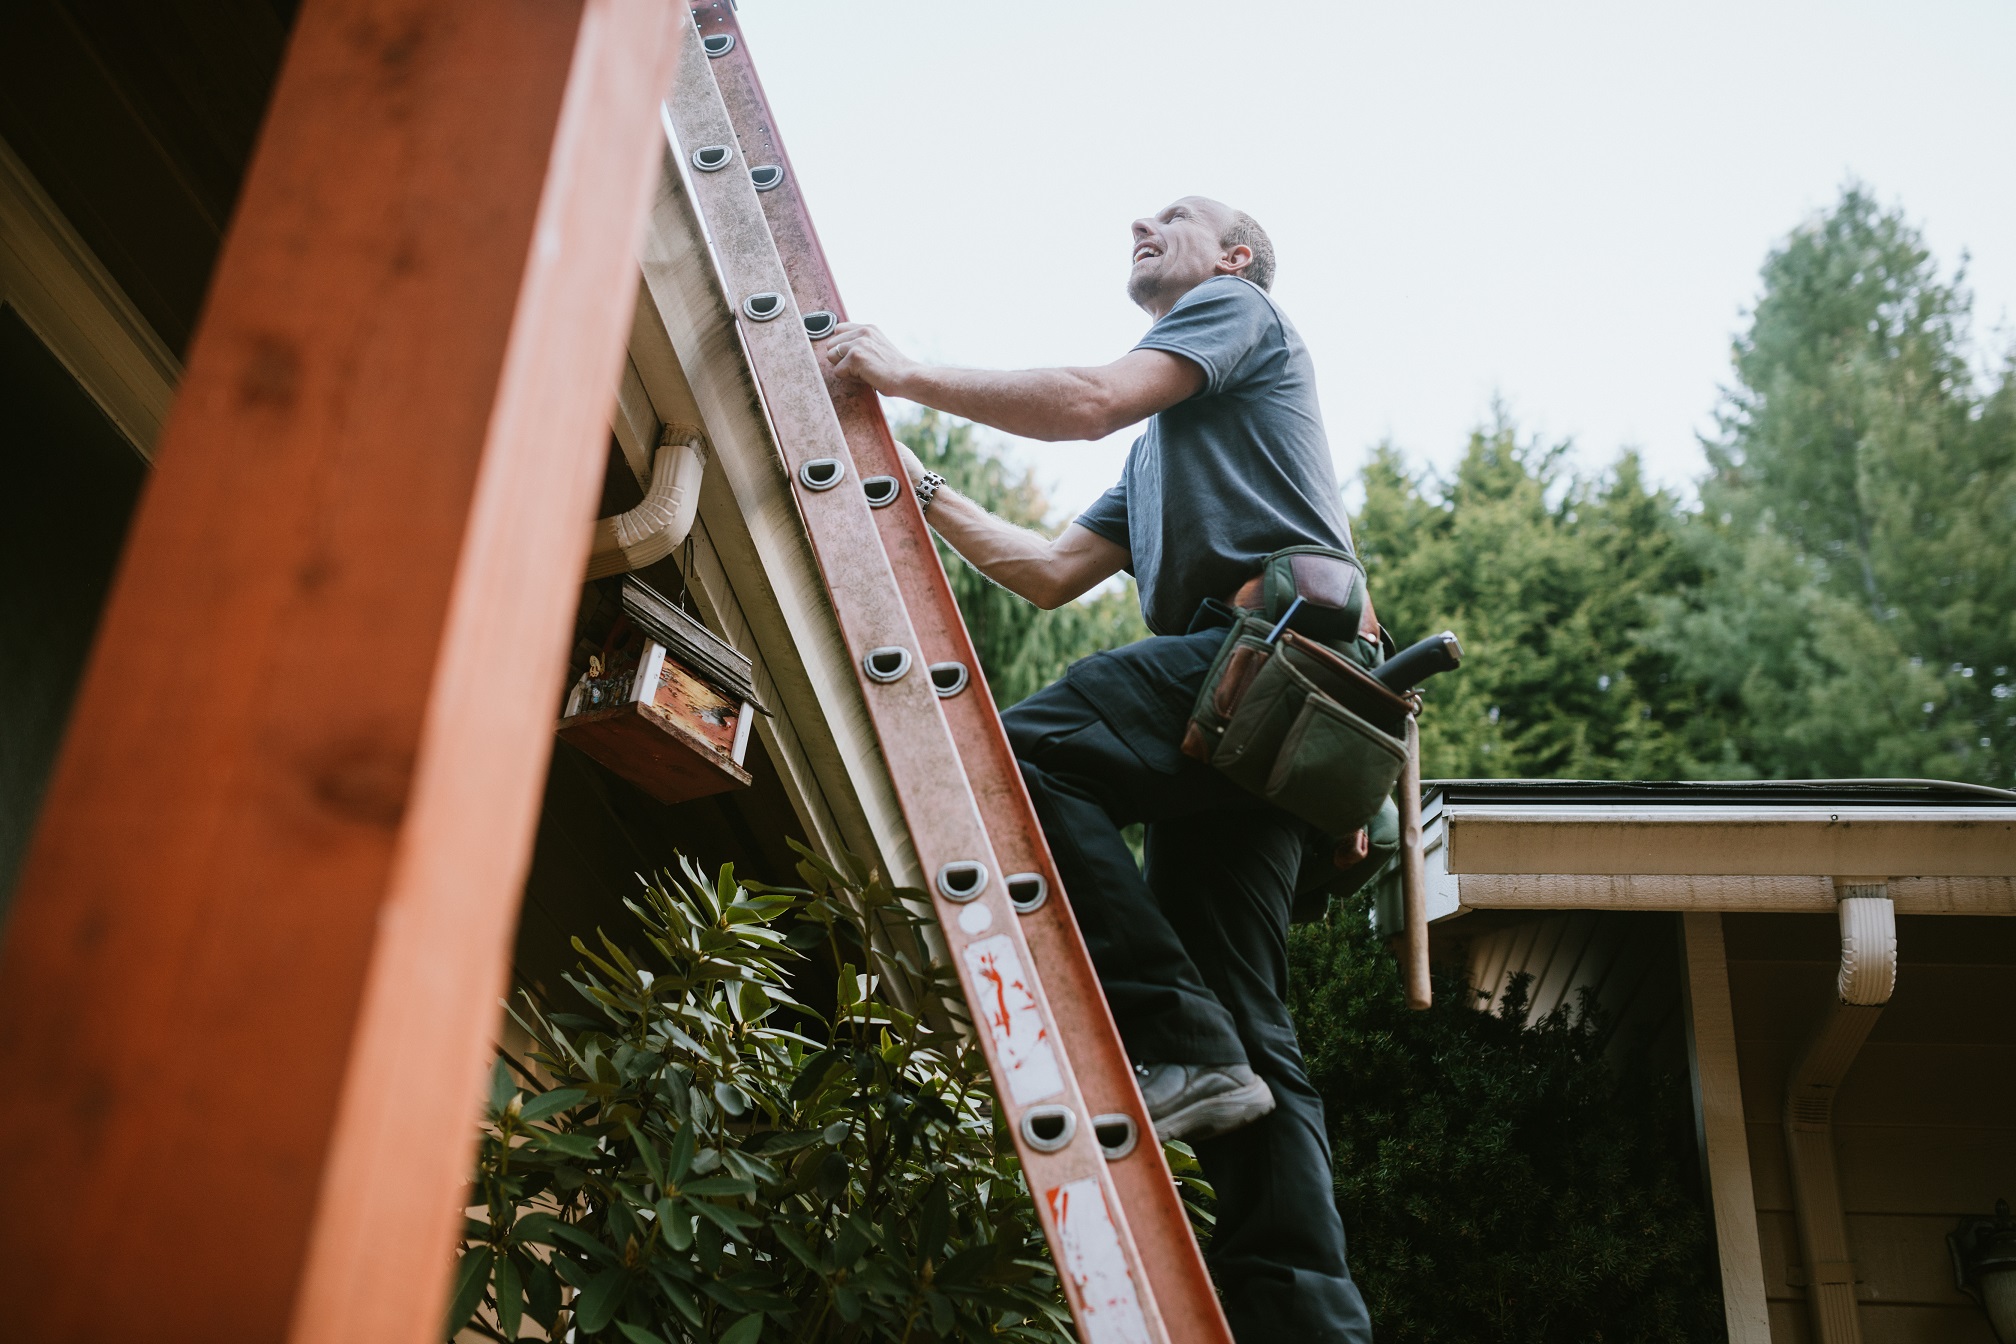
1419	661
1413	875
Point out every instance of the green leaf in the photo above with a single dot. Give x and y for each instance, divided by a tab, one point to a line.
503	1086
814	1072
731	1221
778	1141
559	1099
677	1295
833	1174
745	1331
718	1185
542	1292
637	1334
789	1238
674	1224
730	1099
471	1277
647	1152
546	1228
852	1241
598	1302
937	1217
574	1145
728	1295
510	1297
681	1160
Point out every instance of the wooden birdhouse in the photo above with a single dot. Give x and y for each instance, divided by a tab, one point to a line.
668	705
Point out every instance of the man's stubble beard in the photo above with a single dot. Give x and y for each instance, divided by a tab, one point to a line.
1142	286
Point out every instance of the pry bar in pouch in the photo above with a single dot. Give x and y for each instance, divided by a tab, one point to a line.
1286	617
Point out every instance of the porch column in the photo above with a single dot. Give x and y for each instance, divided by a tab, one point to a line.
1718	1121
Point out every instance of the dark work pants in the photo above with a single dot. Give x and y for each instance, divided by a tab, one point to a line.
1194	958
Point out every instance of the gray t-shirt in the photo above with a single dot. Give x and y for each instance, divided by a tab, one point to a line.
1241	470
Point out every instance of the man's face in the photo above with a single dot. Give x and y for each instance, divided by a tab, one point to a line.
1175	251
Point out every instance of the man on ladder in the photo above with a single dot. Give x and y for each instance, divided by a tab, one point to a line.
1234	468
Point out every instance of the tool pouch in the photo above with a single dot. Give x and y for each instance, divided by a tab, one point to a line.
1330	584
1299	724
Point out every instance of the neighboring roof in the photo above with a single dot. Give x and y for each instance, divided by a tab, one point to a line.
1738	792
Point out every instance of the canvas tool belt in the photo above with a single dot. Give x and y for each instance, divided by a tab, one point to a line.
1289	717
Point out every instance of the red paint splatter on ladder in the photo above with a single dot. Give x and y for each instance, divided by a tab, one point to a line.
1015	1026
1095	1268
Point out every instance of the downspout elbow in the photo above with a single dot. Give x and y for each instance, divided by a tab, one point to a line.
1868	975
656	527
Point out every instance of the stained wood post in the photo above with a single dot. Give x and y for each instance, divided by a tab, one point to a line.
254	958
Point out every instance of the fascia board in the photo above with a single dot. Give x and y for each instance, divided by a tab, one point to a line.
71	302
635	419
1782	894
1728	842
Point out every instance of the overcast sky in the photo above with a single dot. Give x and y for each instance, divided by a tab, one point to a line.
1560	204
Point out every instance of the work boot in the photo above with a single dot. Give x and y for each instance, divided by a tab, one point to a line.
1202	1101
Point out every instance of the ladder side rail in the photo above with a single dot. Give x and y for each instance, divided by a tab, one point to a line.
1105	1279
1155	1211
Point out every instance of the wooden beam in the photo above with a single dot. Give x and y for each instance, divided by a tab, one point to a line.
1718	1118
256	949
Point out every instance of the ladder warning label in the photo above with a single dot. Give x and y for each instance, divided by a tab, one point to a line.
1109	1309
1003	1001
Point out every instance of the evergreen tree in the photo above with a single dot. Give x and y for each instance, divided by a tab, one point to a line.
1544	577
1858	615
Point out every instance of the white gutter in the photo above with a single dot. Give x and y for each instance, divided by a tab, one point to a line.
1867	977
656	527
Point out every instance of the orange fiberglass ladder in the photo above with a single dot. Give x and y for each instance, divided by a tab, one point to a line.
1117	1228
